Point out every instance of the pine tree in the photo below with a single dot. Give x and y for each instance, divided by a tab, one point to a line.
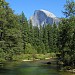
69	8
50	37
55	35
31	34
41	44
24	29
45	38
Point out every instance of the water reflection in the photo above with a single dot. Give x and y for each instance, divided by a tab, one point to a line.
32	68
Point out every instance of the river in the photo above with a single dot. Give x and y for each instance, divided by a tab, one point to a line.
31	68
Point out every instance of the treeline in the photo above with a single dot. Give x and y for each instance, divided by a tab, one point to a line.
18	36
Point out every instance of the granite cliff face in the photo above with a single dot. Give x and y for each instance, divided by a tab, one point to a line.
41	17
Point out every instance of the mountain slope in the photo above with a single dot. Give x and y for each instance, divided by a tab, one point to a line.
41	17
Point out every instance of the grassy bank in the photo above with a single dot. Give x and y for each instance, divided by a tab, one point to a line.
33	56
27	57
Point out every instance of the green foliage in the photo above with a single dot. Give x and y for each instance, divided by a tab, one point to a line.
24	30
69	8
2	54
66	41
30	49
10	34
66	35
31	33
19	39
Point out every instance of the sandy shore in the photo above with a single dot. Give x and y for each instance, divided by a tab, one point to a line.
73	70
34	59
30	60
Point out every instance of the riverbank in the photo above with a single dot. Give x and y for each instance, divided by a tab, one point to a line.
30	57
52	65
27	58
72	70
35	59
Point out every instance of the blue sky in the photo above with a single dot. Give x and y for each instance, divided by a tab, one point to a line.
29	6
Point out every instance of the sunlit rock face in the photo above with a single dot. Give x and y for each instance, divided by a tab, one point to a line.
41	17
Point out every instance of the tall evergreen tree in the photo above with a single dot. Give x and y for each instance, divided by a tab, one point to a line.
24	29
45	38
55	35
31	33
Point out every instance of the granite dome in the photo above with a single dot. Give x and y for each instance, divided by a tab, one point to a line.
41	17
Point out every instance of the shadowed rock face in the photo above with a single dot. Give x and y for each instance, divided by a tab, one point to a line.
41	17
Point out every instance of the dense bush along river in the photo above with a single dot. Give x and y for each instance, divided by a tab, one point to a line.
31	68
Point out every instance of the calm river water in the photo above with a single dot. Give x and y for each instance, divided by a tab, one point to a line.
31	68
